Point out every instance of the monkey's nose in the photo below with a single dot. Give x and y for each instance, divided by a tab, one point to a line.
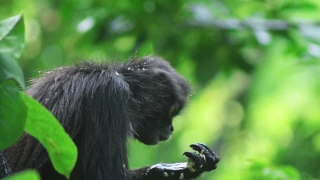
171	128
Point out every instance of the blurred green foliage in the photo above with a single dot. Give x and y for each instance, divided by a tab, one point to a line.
256	87
19	112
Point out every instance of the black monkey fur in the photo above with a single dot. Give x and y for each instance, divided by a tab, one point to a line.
100	106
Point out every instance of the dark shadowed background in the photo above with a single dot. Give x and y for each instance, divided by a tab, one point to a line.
254	67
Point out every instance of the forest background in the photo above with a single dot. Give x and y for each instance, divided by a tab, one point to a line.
254	67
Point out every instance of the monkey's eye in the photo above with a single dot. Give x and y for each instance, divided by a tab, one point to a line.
173	110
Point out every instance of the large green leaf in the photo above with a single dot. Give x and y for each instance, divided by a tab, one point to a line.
13	113
42	125
24	175
11	45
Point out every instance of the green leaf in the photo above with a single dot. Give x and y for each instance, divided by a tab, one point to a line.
13	114
42	125
25	175
9	69
11	45
12	35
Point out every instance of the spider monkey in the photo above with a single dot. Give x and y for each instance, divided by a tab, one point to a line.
100	106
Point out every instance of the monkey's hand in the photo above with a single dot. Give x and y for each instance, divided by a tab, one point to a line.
203	159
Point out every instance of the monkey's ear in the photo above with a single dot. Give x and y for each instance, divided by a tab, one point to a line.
179	87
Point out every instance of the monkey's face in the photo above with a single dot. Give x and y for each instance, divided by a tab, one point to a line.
153	131
158	93
156	128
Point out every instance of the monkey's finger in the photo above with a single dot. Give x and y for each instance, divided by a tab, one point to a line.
205	152
201	148
197	147
208	148
212	158
194	161
196	158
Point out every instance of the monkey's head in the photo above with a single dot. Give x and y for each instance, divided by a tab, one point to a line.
158	95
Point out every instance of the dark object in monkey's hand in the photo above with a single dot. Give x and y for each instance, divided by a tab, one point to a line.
203	159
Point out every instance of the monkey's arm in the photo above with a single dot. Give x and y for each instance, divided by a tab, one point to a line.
204	159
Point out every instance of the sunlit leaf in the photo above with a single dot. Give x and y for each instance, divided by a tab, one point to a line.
42	125
13	113
24	175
